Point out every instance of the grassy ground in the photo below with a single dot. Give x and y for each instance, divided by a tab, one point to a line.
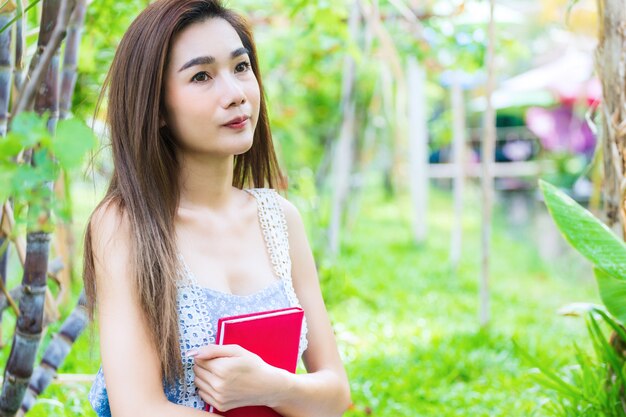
407	325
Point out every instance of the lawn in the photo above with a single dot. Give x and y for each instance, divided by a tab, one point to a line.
407	325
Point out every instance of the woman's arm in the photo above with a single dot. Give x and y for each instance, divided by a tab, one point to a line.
129	359
324	391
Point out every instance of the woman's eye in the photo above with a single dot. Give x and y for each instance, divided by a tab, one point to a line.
242	66
201	77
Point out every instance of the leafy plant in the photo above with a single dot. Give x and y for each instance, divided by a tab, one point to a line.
596	242
24	183
595	387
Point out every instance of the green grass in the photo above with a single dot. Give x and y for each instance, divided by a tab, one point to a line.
407	325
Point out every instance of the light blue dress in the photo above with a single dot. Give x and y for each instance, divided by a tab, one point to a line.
199	308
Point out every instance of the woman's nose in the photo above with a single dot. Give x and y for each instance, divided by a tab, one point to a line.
232	92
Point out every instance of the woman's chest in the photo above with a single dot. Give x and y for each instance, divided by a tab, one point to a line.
230	261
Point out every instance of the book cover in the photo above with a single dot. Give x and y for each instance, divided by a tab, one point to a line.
273	335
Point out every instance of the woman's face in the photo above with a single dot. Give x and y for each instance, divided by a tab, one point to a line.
209	82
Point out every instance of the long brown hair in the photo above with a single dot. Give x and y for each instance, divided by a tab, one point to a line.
144	185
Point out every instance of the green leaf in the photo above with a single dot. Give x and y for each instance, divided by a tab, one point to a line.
45	168
607	351
297	8
588	235
613	294
616	326
10	147
72	141
29	129
14	19
7	171
557	382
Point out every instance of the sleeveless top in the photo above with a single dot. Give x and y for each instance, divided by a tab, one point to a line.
199	308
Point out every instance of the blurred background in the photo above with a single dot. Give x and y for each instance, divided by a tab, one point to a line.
378	110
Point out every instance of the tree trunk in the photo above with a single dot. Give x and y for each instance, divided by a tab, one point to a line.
611	68
487	155
343	153
458	160
418	149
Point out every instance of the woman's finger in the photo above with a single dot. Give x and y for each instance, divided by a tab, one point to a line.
215	351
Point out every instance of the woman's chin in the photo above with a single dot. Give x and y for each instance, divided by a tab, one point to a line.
245	147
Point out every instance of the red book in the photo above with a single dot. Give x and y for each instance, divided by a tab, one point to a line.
273	335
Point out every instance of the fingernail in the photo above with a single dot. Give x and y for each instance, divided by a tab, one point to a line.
191	353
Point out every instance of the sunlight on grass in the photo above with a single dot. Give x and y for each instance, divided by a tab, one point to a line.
408	327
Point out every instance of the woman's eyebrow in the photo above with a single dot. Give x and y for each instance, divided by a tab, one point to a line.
208	60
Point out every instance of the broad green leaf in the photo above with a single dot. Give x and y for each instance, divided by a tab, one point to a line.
26	179
588	235
613	294
29	129
72	141
10	147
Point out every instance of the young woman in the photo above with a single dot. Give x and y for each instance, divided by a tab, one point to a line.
187	232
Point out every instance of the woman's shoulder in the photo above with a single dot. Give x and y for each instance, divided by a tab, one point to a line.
292	215
109	227
295	225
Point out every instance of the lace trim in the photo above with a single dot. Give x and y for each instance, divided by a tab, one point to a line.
194	332
274	227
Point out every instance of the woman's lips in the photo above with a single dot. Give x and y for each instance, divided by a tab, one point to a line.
237	125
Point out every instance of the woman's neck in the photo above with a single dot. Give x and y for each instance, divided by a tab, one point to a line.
206	183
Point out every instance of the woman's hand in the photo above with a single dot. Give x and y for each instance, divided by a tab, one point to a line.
230	376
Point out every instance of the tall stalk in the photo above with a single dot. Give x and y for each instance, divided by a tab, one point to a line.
29	327
64	237
7	13
70	58
4	254
29	324
47	98
20	46
56	352
61	344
